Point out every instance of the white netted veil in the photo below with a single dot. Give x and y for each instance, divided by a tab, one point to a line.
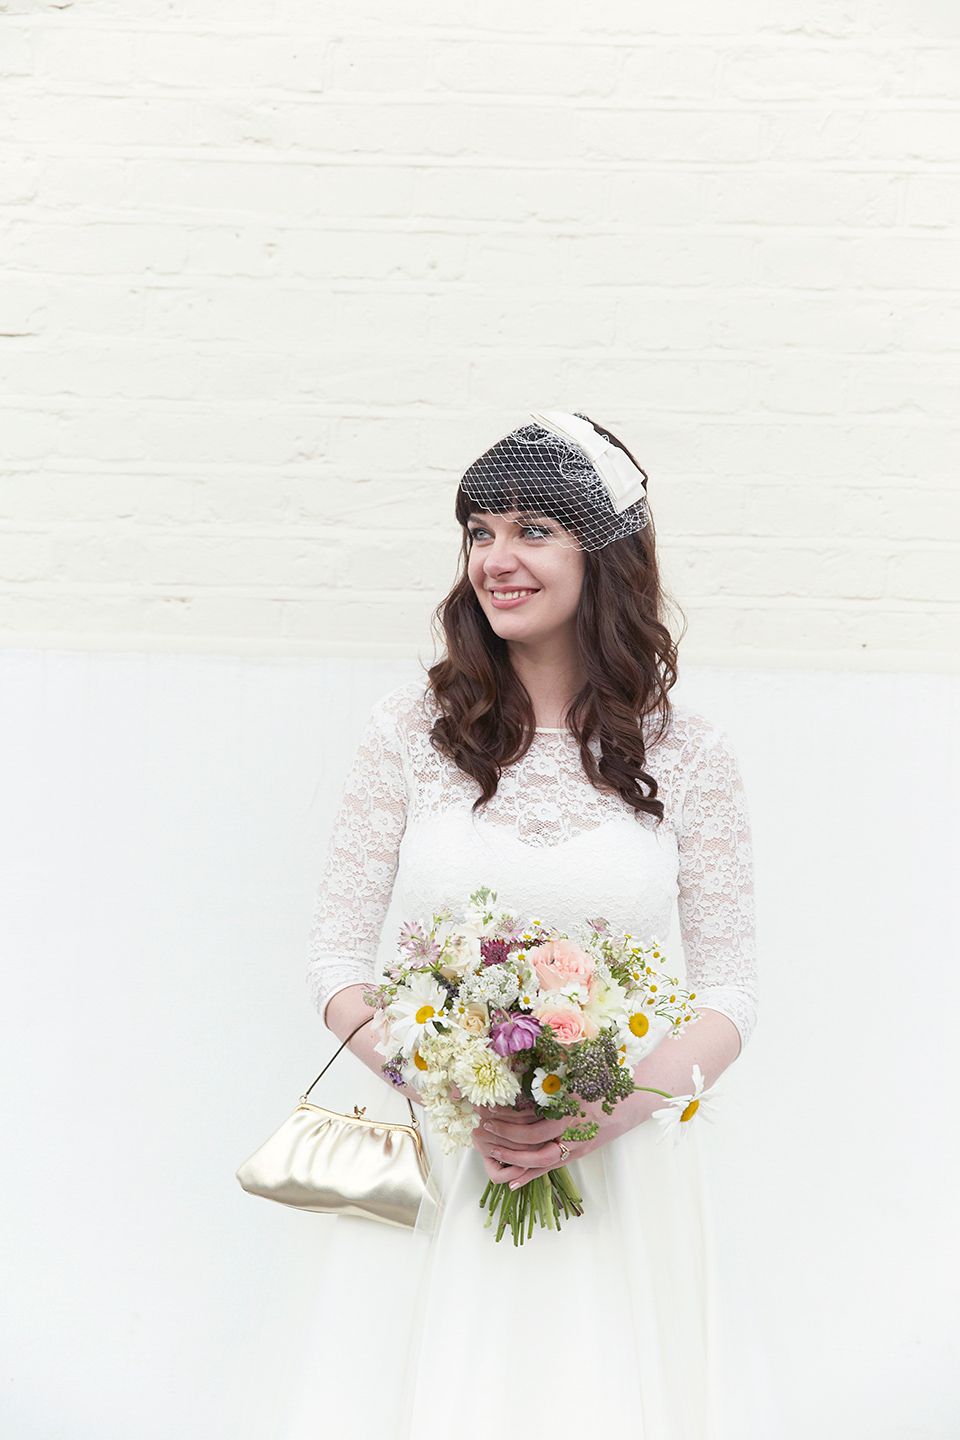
561	467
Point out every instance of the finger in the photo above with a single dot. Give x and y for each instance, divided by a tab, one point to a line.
508	1114
536	1133
485	1144
528	1159
503	1174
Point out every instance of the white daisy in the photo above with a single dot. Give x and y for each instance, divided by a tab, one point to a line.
546	1084
680	1110
639	1030
417	1008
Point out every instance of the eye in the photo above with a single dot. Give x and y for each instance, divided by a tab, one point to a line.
477	532
537	532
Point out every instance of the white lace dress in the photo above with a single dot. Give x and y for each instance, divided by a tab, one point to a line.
609	1326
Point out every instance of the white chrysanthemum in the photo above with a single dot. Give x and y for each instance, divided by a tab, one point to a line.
546	1084
418	1009
484	1077
680	1110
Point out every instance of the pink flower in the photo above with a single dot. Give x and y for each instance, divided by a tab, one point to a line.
565	1022
518	1033
561	962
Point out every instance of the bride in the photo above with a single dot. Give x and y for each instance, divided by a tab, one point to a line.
543	759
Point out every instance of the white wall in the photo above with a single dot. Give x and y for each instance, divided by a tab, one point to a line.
161	832
274	272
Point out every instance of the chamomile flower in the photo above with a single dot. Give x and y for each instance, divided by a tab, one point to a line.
417	1009
547	1084
678	1112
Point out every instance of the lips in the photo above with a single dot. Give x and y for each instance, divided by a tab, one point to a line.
511	599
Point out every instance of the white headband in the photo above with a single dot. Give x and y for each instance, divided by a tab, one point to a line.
623	480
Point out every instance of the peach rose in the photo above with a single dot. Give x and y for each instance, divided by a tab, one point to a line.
561	962
565	1022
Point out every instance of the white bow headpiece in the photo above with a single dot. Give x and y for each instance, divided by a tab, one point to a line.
624	481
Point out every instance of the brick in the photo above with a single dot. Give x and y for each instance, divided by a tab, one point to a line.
653	196
819	70
926	575
28	434
427	255
931	325
18	52
288	63
97	249
511	68
933	200
19	180
936	73
770	570
377	64
783	198
254	313
887	385
775	321
255	186
95	307
665	71
23	309
79	182
25	555
79	53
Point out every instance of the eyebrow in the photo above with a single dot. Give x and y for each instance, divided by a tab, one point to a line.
522	517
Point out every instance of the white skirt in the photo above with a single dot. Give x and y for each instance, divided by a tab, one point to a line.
611	1326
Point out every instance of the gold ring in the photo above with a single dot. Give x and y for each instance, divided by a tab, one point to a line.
564	1152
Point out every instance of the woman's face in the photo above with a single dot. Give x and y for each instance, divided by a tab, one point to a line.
527	583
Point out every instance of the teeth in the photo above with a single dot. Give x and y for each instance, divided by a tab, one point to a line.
510	594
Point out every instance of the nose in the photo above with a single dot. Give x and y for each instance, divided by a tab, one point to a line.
499	559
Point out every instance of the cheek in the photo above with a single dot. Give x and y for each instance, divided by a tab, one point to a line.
475	569
569	582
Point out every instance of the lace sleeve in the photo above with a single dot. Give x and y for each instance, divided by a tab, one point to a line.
716	903
361	863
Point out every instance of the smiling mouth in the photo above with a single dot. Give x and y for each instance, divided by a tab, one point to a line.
511	594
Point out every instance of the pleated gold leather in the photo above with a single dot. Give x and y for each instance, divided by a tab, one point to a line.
341	1164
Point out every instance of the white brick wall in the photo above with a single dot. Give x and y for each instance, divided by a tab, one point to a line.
273	272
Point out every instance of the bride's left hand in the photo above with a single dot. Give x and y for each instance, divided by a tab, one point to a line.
517	1147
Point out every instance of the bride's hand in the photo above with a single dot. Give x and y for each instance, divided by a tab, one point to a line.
517	1147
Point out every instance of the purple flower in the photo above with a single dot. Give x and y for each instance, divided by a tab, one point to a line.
520	1033
494	952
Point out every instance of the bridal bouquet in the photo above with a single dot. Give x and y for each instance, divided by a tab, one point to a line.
496	1011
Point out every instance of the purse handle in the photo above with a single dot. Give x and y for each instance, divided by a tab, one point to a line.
413	1118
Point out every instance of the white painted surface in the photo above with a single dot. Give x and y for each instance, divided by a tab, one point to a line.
162	827
275	272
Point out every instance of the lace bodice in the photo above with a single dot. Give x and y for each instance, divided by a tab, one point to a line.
552	846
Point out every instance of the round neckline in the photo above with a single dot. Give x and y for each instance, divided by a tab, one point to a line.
551	730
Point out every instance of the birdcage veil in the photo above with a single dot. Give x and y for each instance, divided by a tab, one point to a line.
560	466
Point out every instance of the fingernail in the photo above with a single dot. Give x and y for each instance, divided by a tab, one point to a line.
514	1184
487	1125
497	1154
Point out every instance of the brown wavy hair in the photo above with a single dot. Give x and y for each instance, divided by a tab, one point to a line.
626	652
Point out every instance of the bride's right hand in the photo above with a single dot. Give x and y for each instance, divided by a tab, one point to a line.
510	1125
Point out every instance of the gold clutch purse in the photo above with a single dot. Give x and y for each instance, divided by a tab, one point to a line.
342	1164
